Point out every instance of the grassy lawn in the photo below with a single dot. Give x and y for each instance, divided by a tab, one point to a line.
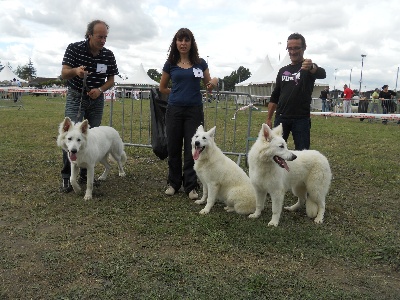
133	242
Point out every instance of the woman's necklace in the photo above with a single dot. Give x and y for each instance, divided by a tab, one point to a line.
185	63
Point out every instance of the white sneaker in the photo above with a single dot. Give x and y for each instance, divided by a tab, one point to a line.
193	195
170	191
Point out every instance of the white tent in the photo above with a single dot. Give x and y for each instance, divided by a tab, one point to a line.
260	74
266	73
138	77
7	75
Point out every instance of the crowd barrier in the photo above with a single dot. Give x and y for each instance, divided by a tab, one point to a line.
230	112
132	118
381	107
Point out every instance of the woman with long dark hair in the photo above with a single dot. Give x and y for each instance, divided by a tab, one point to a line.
184	113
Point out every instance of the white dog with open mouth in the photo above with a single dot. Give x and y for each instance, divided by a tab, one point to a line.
86	147
273	169
222	178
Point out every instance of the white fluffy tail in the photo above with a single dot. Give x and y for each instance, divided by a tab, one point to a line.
123	157
311	208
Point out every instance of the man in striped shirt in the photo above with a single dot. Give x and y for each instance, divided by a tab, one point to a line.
89	69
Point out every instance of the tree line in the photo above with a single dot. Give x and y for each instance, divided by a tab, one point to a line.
227	83
25	72
28	72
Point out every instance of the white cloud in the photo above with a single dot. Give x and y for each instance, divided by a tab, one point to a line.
229	33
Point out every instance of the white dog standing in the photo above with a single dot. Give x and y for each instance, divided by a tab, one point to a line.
221	177
306	173
86	147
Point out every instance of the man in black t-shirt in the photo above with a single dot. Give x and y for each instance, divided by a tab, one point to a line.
291	97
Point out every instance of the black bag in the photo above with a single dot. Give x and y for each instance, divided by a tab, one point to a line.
158	107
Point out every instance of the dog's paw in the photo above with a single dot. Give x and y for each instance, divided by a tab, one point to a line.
229	209
102	178
122	174
254	216
273	223
318	220
87	197
204	211
201	201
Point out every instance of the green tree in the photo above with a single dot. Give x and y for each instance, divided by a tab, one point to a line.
26	72
241	74
154	74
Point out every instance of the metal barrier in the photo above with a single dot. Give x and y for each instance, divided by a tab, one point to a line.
9	97
132	118
381	107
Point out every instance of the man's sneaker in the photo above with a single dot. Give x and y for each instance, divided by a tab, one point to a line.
170	191
193	195
66	186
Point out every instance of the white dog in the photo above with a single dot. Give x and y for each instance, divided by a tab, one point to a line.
221	177
86	147
306	173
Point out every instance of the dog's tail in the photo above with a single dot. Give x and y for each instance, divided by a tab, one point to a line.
114	159
311	208
123	157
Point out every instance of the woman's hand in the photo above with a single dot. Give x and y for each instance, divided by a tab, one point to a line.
212	84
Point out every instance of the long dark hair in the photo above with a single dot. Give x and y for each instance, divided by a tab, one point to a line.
174	56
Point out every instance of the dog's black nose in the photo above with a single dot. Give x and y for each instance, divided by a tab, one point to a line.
294	157
197	143
73	151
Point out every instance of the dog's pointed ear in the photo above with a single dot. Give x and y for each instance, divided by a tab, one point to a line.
66	125
212	131
266	131
85	126
279	129
200	128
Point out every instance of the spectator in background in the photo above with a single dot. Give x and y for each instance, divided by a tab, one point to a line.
375	102
347	96
386	97
362	105
325	99
14	83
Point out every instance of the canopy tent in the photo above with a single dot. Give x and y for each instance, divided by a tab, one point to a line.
259	75
7	75
266	73
139	77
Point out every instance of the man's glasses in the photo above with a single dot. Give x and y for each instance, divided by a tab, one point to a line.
293	48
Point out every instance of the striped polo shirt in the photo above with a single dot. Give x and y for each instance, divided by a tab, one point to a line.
99	67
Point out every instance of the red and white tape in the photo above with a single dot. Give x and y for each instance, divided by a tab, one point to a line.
358	115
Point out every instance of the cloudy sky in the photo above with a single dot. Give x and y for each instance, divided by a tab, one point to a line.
229	34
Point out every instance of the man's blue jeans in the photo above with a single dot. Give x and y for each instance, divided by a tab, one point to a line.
300	129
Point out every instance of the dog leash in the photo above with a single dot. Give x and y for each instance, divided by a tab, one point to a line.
84	88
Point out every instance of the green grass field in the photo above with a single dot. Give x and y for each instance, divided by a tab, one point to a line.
133	242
